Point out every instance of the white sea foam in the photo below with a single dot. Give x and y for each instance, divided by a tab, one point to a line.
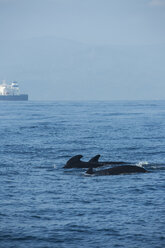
86	174
141	163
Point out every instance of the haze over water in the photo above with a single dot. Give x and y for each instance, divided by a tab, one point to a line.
84	50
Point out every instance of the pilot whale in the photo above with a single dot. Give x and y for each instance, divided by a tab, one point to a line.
123	169
75	162
95	159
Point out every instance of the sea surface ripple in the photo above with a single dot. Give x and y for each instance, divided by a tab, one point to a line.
43	205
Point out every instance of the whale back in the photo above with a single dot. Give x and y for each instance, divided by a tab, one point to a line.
123	169
126	169
94	159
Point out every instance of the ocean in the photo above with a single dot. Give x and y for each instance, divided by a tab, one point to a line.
44	205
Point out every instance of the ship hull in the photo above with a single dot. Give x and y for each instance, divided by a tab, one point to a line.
22	97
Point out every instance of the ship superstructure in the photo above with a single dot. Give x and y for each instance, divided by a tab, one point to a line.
11	92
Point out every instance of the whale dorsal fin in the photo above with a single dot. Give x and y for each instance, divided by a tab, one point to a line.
90	171
94	159
72	161
75	159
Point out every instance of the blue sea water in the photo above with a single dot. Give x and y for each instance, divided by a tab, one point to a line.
44	205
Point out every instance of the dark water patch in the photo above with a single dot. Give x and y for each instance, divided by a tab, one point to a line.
129	148
8	172
49	168
121	114
36	216
151	138
3	214
153	153
30	127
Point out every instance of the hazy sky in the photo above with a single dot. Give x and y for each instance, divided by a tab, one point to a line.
93	22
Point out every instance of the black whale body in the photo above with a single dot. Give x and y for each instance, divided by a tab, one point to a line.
95	159
75	162
123	169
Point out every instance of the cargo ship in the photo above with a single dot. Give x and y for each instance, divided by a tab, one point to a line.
11	92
